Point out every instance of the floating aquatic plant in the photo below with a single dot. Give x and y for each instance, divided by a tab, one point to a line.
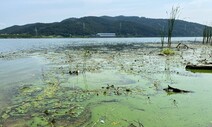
168	51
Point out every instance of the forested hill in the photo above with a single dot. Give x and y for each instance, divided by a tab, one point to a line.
121	25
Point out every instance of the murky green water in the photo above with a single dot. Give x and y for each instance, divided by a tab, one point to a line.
106	86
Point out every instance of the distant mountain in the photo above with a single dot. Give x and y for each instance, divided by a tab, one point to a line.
121	25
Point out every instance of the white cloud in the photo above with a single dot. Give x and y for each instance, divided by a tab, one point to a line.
3	25
197	11
45	1
199	2
98	1
29	11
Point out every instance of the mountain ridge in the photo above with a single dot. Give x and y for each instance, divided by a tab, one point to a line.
126	26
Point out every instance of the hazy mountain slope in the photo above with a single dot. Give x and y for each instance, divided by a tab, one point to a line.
121	25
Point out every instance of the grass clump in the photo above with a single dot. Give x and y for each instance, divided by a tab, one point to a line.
168	51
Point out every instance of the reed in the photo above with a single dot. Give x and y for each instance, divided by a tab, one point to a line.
162	34
171	21
207	35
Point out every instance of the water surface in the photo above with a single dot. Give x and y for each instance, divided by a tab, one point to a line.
118	85
8	45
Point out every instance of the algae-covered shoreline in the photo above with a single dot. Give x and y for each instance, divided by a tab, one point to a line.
108	85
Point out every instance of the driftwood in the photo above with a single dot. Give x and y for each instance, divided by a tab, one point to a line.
175	90
181	45
73	72
199	67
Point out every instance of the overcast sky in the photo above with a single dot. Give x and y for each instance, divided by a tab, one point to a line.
19	12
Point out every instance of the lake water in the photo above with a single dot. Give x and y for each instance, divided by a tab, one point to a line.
7	45
102	86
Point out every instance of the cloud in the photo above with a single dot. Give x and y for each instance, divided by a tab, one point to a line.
98	1
45	1
197	11
3	25
29	11
199	2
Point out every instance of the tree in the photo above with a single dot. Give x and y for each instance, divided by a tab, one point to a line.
162	34
171	21
207	35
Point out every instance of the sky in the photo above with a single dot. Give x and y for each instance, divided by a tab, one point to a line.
20	12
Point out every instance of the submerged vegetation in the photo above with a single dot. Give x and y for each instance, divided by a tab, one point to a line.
108	85
47	106
56	105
